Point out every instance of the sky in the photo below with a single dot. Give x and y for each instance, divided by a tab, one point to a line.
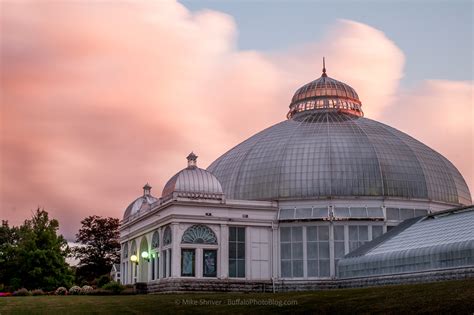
99	98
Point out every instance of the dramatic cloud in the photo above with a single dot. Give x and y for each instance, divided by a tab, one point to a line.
99	98
439	113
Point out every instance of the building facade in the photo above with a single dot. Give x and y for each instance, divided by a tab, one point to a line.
287	204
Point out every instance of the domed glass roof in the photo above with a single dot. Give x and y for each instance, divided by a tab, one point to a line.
327	152
193	182
141	204
325	93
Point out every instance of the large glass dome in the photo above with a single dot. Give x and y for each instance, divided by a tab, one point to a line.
331	151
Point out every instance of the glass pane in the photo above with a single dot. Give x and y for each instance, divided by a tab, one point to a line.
363	232
297	234
312	250
353	233
339	249
313	268
285	251
165	261
358	212
406	214
375	212
209	263
323	250
377	230
341	212
241	234
339	232
232	250
241	250
323	233
157	267
324	268
320	212
152	261
392	214
232	268
285	234
286	268
297	268
287	214
241	268
420	212
170	263
303	213
187	262
311	233
232	234
297	250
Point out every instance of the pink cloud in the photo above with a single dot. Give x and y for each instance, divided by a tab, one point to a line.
98	99
439	113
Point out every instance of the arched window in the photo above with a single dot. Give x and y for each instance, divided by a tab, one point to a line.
199	234
155	240
167	236
125	251
134	248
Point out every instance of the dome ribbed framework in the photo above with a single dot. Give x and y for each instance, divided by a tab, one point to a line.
334	154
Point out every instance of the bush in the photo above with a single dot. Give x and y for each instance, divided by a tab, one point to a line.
5	294
75	290
37	292
87	289
103	280
61	291
114	286
22	292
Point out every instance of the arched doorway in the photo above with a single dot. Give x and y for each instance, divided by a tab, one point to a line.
144	259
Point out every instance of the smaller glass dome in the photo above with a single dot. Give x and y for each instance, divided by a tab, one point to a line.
193	182
326	94
141	204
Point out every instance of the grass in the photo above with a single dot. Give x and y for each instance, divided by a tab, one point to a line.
440	297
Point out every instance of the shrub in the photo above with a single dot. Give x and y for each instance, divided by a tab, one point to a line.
75	290
5	294
114	286
87	289
22	292
61	291
37	292
102	280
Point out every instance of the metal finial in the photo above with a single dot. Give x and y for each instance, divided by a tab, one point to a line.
324	68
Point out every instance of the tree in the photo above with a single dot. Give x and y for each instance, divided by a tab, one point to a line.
33	255
8	239
101	247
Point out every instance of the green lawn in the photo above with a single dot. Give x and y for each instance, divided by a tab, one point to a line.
441	297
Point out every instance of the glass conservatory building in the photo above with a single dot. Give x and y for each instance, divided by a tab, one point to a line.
287	204
437	241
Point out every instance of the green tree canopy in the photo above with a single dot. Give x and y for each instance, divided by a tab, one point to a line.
33	255
101	247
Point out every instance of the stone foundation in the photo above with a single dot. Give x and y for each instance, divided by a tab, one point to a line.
171	285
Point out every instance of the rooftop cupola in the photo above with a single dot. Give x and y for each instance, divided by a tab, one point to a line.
147	190
324	95
192	160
